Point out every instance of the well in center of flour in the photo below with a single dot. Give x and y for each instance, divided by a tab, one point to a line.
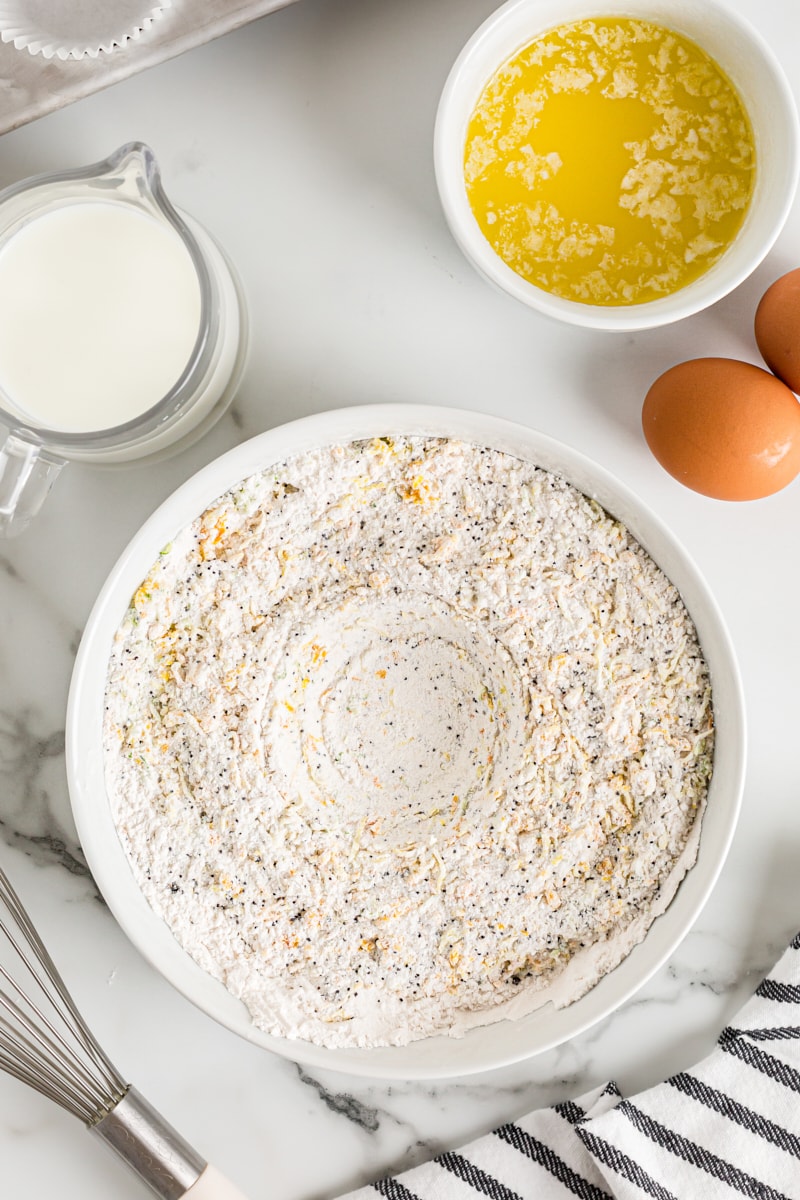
392	703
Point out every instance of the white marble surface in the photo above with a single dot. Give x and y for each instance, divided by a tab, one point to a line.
303	142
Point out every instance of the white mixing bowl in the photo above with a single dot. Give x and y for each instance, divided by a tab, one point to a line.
491	1045
747	61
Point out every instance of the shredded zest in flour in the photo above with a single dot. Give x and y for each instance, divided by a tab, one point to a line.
406	735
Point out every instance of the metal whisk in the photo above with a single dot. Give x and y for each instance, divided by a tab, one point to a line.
46	1044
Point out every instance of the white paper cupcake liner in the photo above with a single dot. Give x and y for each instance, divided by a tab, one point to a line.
82	28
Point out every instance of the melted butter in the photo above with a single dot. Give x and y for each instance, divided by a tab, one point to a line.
610	161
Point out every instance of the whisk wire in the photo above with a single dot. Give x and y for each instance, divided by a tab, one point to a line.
26	926
67	1058
40	1077
44	1048
20	1013
43	1063
23	1074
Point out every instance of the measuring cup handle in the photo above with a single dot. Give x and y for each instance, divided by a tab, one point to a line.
27	472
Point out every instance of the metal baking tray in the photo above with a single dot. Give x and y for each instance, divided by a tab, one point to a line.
33	85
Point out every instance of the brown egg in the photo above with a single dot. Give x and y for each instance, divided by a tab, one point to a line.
725	428
777	328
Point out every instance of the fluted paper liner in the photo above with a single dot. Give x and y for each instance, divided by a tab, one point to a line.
83	28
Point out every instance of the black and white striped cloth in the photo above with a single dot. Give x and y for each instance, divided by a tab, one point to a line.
726	1129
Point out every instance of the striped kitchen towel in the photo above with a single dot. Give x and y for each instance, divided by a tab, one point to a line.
728	1128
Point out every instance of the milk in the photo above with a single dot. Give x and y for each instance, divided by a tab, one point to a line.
100	309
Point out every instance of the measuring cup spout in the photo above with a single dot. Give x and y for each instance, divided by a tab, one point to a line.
27	472
132	173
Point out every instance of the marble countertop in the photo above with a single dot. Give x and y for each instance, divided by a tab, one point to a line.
303	143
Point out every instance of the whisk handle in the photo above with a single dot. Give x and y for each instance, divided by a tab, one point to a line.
213	1186
158	1154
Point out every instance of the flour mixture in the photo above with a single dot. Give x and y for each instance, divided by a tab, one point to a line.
406	735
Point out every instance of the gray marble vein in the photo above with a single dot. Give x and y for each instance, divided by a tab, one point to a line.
343	1103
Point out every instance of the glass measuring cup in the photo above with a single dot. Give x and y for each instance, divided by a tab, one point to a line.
37	444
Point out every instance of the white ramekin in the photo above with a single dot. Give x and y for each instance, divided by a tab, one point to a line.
745	58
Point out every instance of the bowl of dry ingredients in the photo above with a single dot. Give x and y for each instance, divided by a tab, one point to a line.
616	165
405	741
